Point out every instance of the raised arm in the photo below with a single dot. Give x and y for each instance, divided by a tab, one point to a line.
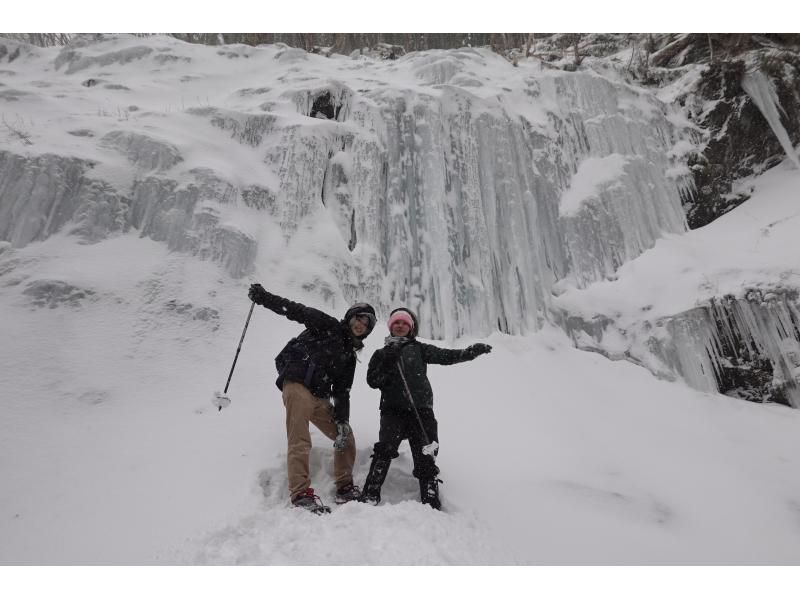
297	312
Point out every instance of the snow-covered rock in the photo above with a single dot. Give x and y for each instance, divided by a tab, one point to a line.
435	179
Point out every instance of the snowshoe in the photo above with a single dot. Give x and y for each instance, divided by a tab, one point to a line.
429	493
347	493
370	499
310	502
375	478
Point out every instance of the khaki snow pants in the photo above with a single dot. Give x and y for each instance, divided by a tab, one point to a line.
301	408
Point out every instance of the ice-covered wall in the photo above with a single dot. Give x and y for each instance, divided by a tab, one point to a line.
40	194
455	195
448	197
443	172
745	346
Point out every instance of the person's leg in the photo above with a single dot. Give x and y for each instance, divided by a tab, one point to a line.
343	460
425	468
299	403
424	465
390	436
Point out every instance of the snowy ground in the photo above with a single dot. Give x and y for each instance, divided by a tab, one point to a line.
111	452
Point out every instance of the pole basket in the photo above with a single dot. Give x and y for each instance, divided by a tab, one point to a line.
220	400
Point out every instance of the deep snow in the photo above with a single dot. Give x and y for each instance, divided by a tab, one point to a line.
111	452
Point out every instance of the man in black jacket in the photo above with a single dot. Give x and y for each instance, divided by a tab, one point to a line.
314	368
399	369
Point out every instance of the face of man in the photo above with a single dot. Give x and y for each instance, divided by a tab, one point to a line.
359	325
400	328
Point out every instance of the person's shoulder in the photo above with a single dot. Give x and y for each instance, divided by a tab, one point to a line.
418	345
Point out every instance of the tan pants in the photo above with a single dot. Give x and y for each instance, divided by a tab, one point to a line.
301	408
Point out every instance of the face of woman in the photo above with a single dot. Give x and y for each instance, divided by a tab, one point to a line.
359	326
400	328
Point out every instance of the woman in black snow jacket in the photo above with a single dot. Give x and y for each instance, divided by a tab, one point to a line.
399	369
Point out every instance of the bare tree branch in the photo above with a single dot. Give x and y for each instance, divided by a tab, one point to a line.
17	132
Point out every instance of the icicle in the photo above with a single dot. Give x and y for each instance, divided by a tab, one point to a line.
700	343
759	87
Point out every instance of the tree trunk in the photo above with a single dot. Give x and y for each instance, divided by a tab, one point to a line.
528	45
575	38
710	49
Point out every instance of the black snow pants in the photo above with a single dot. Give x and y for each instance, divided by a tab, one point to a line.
397	426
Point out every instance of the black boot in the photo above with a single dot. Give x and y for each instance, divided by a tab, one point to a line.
375	478
429	492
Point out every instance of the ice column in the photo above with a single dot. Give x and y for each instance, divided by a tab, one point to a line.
760	89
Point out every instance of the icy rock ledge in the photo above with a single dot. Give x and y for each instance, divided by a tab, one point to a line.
143	151
746	347
38	195
188	219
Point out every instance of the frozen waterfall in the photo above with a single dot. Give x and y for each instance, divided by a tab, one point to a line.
439	181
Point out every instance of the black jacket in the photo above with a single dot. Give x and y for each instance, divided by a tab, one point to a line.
325	360
414	358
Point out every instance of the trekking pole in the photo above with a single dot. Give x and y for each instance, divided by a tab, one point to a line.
221	398
430	447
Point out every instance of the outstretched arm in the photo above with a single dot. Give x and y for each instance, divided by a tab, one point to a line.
440	356
297	312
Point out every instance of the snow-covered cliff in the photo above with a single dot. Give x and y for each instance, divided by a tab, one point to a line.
434	181
471	190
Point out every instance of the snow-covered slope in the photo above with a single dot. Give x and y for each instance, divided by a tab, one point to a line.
111	451
134	233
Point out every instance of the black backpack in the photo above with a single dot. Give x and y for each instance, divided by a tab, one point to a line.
294	350
307	357
295	353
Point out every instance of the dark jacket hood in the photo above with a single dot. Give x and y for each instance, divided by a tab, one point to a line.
358	309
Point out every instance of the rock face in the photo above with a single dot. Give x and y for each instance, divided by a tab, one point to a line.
741	141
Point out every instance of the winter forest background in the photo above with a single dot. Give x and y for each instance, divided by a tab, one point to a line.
616	213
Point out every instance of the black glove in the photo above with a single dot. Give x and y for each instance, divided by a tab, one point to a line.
391	353
257	294
391	349
343	432
478	349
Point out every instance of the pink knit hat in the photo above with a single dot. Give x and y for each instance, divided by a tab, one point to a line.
401	316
